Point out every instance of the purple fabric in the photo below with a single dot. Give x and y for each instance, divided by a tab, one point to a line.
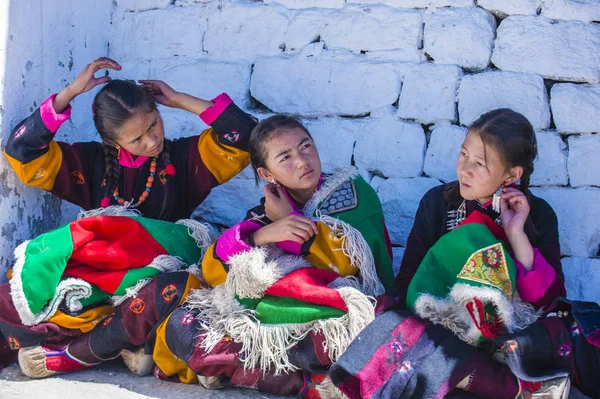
51	119
232	240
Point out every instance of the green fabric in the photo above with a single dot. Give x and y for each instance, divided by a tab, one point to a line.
368	218
440	267
54	259
131	278
174	238
98	296
285	310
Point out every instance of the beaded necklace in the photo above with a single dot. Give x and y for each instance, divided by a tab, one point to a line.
145	193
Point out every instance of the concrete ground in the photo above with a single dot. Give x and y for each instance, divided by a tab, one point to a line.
114	381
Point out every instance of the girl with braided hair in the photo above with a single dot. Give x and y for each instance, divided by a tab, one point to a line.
135	165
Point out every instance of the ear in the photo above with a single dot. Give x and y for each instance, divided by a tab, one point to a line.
264	174
514	175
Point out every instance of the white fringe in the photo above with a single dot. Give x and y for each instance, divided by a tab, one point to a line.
267	346
72	289
130	292
200	232
451	312
167	263
332	182
356	248
113	210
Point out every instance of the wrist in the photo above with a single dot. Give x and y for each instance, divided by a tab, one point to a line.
68	93
257	238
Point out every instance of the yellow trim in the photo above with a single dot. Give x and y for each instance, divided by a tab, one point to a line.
213	271
42	171
326	253
85	321
166	360
222	161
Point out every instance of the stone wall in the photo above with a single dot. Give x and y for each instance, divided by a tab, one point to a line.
386	85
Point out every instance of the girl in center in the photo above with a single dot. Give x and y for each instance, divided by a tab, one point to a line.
284	291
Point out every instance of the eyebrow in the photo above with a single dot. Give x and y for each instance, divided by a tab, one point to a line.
475	155
153	123
288	150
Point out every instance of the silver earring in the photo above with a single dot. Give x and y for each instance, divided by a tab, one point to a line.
496	199
273	181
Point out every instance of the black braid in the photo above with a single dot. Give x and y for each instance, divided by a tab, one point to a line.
165	210
112	170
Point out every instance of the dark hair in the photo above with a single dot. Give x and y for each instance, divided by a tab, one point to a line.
513	137
114	105
263	132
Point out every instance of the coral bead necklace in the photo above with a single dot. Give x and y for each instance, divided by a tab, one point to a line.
146	191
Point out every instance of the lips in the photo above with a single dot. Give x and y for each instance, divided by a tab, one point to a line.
310	172
465	185
156	150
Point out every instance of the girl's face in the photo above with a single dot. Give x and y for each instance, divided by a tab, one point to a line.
142	134
292	160
480	173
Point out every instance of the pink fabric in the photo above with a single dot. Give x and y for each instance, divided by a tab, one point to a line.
232	240
211	114
127	160
51	119
291	246
533	284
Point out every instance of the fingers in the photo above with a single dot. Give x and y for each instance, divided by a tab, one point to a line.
105	62
269	194
103	79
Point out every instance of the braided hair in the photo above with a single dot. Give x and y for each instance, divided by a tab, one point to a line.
513	137
113	106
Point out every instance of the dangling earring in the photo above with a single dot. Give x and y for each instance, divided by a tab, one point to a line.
273	181
496	199
118	147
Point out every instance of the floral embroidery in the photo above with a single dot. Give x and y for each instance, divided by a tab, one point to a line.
488	266
510	346
564	350
396	347
405	367
342	199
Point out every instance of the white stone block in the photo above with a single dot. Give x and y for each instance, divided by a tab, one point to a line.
305	28
584	169
397	255
313	87
578	218
295	4
503	8
228	203
429	93
245	31
387	111
581	278
550	167
392	147
204	78
462	36
442	153
576	108
400	199
417	3
583	10
335	139
375	29
558	50
524	93
141	5
177	31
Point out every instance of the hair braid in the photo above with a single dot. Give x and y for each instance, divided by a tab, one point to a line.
112	170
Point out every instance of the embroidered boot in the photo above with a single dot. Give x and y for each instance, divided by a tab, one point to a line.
42	362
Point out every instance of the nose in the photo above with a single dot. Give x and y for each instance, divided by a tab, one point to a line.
466	169
303	162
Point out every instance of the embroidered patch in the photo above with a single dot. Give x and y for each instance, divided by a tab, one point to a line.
169	292
575	329
488	266
14	343
137	306
77	177
21	131
187	319
232	137
40	173
342	199
405	367
510	346
396	347
564	350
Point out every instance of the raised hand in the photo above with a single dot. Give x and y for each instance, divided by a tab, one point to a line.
294	228
514	209
277	205
162	92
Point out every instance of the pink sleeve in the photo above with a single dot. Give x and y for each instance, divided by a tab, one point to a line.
533	284
291	246
221	102
232	240
51	119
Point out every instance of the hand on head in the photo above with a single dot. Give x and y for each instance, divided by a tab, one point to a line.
86	80
162	92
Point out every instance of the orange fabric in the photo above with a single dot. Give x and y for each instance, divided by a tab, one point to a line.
9	274
85	321
326	253
212	268
222	161
42	171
